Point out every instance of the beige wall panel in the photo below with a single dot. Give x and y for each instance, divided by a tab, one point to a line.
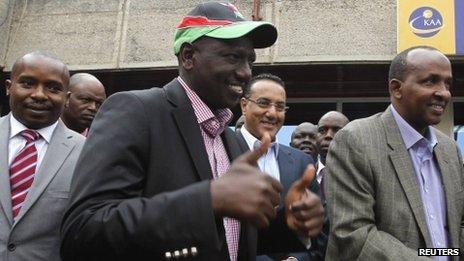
336	30
149	38
82	36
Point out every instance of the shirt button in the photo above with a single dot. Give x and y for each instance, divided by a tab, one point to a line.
426	190
432	216
11	247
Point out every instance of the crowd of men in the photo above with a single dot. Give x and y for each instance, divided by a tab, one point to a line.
157	174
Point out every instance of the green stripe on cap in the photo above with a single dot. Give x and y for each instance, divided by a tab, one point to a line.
189	35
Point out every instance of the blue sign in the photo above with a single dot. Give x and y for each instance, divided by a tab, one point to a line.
425	21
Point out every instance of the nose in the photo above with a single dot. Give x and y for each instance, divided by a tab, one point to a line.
330	133
243	73
38	93
92	106
443	93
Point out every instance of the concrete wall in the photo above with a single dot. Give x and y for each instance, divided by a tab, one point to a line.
115	34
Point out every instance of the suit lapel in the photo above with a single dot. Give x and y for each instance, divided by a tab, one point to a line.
449	179
405	171
234	149
58	150
286	169
189	128
5	190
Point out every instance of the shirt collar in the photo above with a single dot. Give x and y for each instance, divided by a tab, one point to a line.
16	127
410	135
202	112
250	140
320	165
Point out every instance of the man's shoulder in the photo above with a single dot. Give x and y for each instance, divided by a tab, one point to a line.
360	125
70	134
444	139
297	154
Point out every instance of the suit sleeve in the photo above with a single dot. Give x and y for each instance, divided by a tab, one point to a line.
278	237
350	195
108	217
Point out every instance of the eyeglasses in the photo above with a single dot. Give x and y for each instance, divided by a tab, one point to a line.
267	104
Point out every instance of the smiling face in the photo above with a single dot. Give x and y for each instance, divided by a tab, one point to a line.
422	96
218	70
304	138
259	120
37	90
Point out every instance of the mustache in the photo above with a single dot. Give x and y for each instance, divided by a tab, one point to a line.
38	105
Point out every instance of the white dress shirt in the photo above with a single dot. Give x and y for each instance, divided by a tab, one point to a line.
17	142
320	166
268	162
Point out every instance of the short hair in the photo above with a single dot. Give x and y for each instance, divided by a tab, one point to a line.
79	77
399	65
46	54
263	76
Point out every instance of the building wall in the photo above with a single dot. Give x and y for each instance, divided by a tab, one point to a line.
117	34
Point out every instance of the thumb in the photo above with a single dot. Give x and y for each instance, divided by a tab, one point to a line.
252	157
307	177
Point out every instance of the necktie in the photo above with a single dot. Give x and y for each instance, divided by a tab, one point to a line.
322	172
231	226
22	171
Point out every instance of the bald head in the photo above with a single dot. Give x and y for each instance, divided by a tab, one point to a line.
304	138
329	124
86	94
18	65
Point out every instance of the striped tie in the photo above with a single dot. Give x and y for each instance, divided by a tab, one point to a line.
22	171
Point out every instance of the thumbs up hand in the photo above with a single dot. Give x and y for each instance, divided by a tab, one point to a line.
246	193
303	209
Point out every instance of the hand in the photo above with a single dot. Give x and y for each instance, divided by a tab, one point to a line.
246	193
303	209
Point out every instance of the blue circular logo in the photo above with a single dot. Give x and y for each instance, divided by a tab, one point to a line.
425	21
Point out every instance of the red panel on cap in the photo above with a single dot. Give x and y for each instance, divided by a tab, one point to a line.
198	21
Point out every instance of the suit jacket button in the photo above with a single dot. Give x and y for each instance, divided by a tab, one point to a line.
177	254
185	252
194	251
11	247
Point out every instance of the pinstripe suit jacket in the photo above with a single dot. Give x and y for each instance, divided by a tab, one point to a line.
373	198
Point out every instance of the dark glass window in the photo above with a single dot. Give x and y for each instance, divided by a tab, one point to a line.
356	110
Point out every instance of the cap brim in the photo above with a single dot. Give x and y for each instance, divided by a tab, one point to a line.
262	34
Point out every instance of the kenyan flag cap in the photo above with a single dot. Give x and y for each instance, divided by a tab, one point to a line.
222	21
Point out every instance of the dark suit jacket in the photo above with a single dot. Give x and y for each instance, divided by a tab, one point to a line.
142	184
373	198
275	240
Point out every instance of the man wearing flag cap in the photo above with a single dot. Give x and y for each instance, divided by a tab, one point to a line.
162	185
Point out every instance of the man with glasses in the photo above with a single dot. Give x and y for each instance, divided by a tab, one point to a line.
264	107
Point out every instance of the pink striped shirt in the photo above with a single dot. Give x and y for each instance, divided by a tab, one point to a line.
211	126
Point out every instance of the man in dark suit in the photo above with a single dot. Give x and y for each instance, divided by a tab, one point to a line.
160	184
263	107
37	158
395	183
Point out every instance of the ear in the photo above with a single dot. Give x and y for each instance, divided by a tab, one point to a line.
187	56
68	96
395	89
8	86
243	104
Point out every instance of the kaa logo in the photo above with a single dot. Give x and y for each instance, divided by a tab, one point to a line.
425	21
